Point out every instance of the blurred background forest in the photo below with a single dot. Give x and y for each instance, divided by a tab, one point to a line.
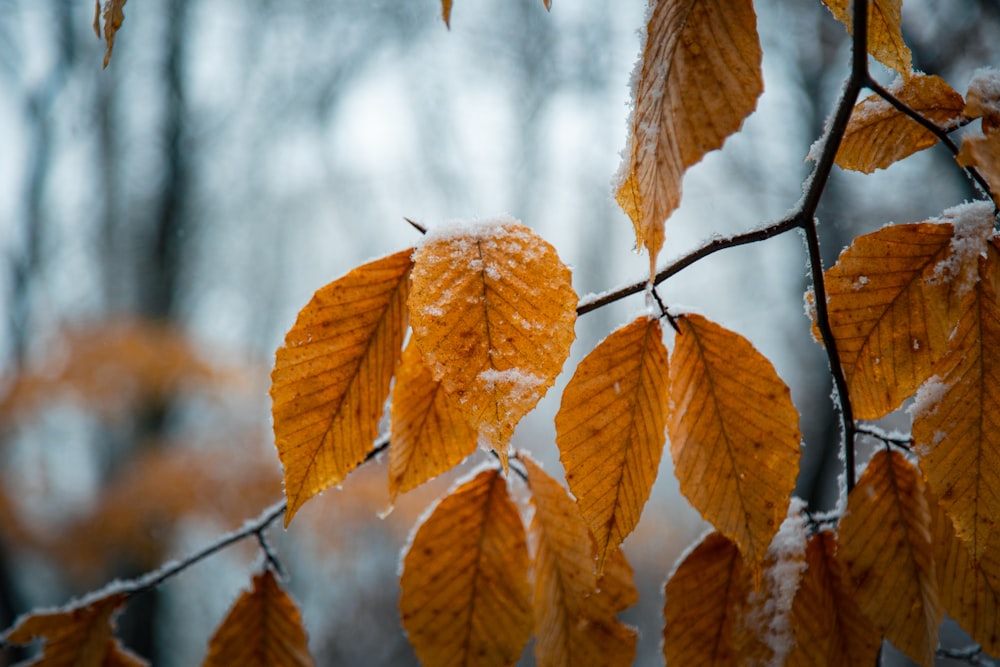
162	221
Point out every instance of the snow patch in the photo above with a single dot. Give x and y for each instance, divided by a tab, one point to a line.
973	224
928	398
984	92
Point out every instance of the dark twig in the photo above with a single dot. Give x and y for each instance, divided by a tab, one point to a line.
416	225
903	441
269	554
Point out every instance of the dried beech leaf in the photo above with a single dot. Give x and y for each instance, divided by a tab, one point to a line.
956	425
493	311
885	34
701	61
575	624
829	628
429	435
892	309
446	12
465	593
78	636
983	153
113	15
734	434
982	100
885	547
332	376
878	134
610	429
263	628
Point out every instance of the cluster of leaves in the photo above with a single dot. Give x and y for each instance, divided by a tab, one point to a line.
911	310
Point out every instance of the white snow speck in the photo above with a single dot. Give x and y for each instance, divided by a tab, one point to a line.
860	282
928	398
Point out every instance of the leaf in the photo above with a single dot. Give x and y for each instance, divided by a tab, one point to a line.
446	12
885	34
885	547
892	308
982	100
829	628
429	435
78	636
701	62
493	311
113	15
956	426
983	153
575	624
263	628
332	376
878	134
465	597
734	434
704	602
610	429
970	588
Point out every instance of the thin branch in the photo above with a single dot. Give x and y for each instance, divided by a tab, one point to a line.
899	440
270	555
416	225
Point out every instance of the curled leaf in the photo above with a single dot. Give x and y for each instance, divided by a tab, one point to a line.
885	33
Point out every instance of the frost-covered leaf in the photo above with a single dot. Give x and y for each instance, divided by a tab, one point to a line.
575	624
263	628
332	375
885	547
878	134
610	429
697	79
893	299
956	424
78	636
885	34
493	311
429	435
113	15
734	434
829	628
983	153
983	98
465	596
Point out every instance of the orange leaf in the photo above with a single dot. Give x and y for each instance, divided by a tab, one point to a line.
983	99
610	429
79	636
332	376
983	153
885	34
829	628
885	546
493	311
701	61
446	12
892	305
575	624
465	593
878	134
734	434
429	435
113	16
955	427
263	628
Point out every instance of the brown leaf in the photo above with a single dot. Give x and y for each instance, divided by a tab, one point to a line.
734	434
892	306
983	153
885	34
332	375
446	12
113	16
493	311
78	636
429	435
983	99
263	628
701	62
610	429
878	134
465	593
885	547
829	628
575	624
956	424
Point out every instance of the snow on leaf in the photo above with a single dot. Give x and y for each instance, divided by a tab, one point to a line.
885	34
828	626
79	636
465	593
958	439
701	60
610	429
332	375
493	311
983	153
113	15
892	331
878	134
574	611
983	98
885	548
263	628
429	435
734	434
